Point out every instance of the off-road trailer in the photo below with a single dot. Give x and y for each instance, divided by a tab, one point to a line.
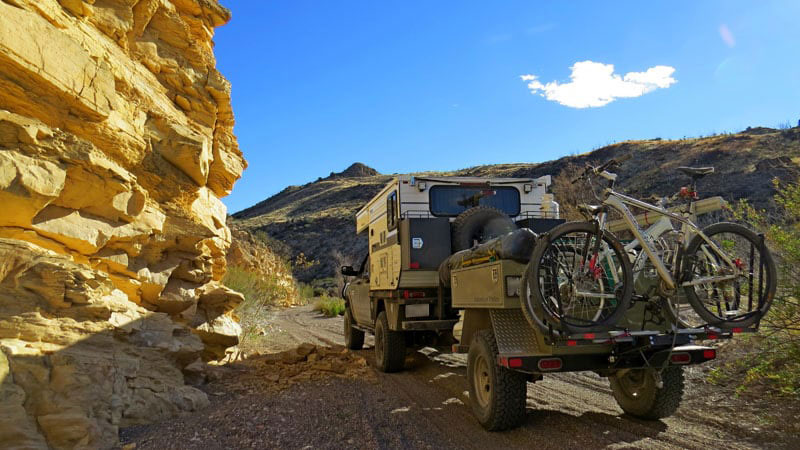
505	351
643	355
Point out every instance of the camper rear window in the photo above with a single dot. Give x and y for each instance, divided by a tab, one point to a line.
453	200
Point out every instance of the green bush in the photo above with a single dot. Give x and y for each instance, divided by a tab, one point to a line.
305	291
330	306
770	361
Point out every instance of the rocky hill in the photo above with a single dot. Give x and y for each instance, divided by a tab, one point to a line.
317	219
116	143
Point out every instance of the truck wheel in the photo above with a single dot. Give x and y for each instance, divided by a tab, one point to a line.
480	224
390	346
353	338
638	394
496	394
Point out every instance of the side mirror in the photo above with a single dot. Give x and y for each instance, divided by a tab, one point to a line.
349	271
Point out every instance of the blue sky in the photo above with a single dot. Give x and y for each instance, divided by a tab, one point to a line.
408	86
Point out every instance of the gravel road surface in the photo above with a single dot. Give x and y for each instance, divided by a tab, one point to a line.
426	406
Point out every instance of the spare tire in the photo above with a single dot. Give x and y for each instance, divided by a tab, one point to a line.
478	225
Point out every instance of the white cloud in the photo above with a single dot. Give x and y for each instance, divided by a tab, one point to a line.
727	36
594	84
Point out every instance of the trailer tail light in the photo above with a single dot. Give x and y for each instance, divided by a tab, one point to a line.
413	265
413	294
737	330
549	364
589	336
709	354
680	358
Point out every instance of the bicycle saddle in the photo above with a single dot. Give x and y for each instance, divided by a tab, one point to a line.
592	210
696	172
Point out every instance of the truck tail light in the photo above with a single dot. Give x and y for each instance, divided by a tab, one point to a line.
680	358
549	364
413	265
709	354
413	294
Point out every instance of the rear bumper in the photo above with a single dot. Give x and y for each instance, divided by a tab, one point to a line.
420	325
606	362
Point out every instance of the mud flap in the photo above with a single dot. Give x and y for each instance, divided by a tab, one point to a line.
513	333
393	316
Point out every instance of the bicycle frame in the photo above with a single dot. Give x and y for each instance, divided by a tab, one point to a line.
619	203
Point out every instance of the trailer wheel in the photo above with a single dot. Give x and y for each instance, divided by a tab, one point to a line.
637	393
390	346
496	394
353	338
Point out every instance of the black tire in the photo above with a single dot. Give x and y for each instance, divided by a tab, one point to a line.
500	404
731	291
390	346
542	301
353	338
480	224
637	393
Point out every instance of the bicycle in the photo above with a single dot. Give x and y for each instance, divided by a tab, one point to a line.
580	277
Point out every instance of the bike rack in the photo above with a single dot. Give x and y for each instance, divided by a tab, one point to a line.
655	337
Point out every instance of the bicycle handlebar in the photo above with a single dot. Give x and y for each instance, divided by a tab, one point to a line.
608	164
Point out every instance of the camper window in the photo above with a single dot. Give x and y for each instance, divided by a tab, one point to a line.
391	211
451	201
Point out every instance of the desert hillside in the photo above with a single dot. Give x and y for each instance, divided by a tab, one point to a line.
116	144
317	219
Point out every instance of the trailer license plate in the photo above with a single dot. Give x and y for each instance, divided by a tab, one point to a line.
422	310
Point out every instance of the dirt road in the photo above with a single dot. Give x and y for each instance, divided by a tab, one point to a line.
426	407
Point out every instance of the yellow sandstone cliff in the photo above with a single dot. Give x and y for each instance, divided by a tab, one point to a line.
116	143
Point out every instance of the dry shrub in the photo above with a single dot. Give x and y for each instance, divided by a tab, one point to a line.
569	195
770	363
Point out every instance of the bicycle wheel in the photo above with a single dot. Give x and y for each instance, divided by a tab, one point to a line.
733	285
575	286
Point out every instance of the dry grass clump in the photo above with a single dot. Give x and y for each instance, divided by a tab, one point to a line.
330	306
261	293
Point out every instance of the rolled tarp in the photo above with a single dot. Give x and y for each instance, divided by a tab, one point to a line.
516	245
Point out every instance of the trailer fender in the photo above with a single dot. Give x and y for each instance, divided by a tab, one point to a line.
474	321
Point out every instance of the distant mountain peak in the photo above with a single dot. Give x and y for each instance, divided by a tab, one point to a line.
355	170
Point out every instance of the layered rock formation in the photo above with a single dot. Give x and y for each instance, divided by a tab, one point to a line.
116	143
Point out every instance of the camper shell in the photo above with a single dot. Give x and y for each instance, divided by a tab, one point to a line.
408	221
409	226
